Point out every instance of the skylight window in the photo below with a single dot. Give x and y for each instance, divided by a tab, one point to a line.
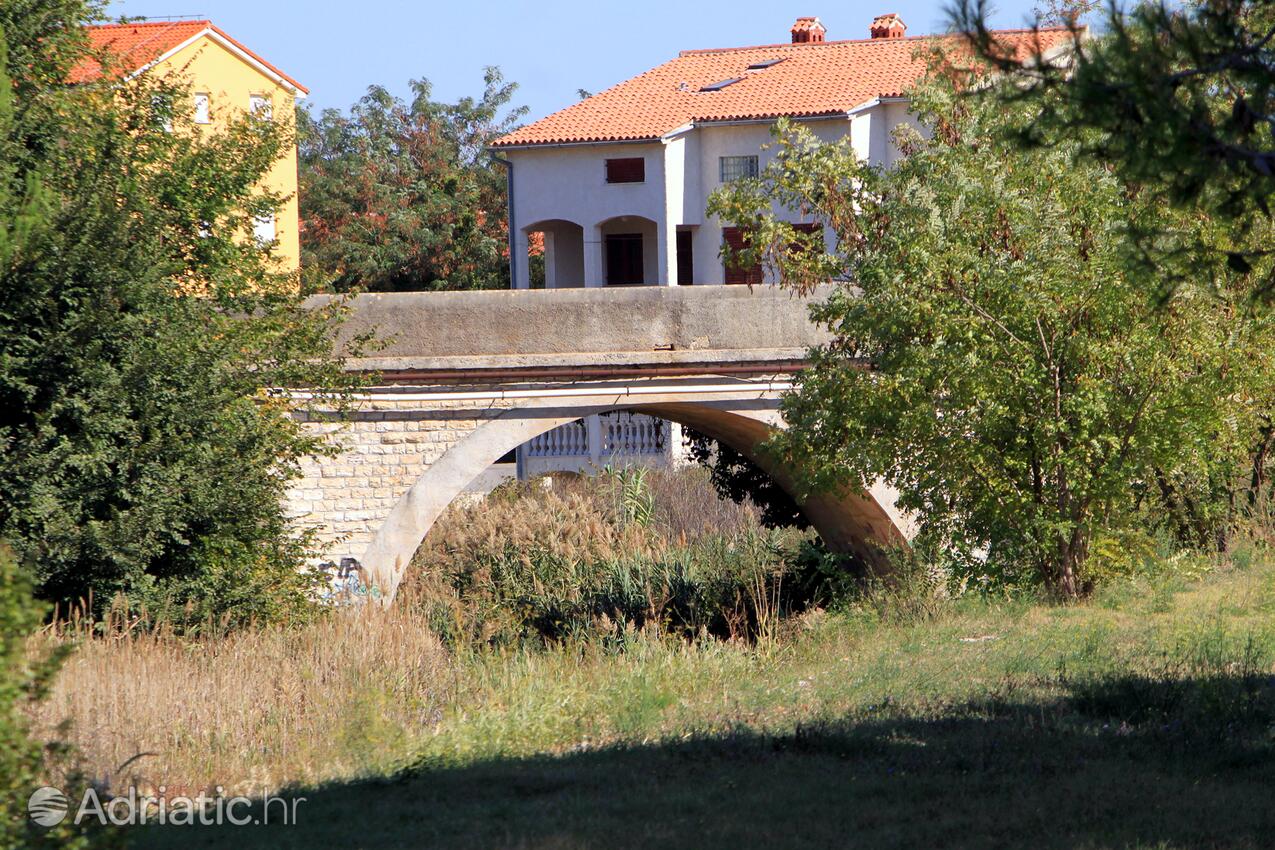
765	63
718	86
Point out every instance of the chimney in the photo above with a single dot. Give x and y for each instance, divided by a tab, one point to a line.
888	26
808	31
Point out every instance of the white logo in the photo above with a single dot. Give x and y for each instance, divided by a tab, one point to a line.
48	806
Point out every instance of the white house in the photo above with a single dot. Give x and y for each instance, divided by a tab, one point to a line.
617	184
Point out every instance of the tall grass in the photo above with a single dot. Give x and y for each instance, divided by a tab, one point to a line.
595	559
251	709
366	693
1177	656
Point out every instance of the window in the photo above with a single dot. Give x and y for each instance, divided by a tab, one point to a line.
763	65
162	110
624	259
815	230
737	167
721	84
736	239
627	170
685	259
263	229
259	105
203	112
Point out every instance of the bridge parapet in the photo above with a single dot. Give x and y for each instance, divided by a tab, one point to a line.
644	326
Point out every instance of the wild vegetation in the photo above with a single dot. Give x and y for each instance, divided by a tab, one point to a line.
1003	354
1069	381
1182	99
635	550
29	756
906	716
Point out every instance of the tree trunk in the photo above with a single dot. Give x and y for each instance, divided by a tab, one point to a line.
1064	575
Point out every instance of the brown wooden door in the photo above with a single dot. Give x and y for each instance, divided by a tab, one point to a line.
685	258
624	259
737	239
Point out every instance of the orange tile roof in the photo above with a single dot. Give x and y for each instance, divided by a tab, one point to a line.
826	78
136	45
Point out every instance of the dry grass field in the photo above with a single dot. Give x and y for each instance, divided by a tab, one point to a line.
1144	718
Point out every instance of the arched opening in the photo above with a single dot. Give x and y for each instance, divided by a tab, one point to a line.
630	251
851	523
555	254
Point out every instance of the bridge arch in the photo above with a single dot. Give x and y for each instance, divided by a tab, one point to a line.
463	377
855	523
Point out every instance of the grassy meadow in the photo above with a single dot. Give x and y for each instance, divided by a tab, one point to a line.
1142	718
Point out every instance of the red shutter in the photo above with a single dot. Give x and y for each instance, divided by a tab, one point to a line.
737	239
806	228
627	170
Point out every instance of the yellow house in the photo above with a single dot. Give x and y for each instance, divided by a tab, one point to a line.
224	78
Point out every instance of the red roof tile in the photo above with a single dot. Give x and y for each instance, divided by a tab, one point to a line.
137	45
826	78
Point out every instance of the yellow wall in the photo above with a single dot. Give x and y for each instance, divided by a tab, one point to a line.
206	66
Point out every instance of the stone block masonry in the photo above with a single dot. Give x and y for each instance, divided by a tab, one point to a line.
384	447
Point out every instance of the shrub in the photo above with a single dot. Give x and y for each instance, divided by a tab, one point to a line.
598	558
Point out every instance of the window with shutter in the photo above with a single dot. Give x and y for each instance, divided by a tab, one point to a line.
807	228
263	229
203	108
685	258
162	111
260	106
627	170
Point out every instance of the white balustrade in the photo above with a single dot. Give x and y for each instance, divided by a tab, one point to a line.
623	434
570	440
626	433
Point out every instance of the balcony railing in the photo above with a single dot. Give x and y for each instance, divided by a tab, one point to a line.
632	434
570	440
620	434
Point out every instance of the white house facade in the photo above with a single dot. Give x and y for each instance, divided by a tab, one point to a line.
617	184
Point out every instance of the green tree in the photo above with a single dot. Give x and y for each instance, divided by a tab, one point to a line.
25	215
1001	356
402	196
142	332
1182	97
1180	100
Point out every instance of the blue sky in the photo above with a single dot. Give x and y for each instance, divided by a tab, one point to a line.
550	49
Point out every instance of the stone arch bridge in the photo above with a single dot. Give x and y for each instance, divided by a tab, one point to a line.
465	378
